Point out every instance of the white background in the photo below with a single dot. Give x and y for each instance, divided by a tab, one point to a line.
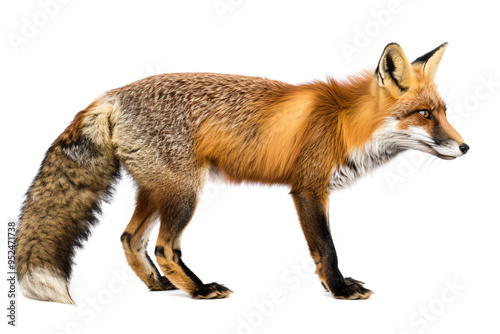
410	231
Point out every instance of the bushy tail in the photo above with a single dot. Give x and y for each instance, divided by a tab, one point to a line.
60	206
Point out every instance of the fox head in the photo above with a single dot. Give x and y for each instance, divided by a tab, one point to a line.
417	113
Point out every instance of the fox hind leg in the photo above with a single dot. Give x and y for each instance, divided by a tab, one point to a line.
135	238
174	217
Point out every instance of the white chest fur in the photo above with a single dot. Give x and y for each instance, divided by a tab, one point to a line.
379	150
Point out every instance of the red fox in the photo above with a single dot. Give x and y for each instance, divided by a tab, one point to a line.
172	131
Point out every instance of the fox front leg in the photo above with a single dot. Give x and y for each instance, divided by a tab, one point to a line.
313	215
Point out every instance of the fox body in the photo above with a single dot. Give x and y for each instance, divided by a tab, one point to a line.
171	131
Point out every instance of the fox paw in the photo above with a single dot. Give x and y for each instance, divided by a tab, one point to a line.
212	291
353	289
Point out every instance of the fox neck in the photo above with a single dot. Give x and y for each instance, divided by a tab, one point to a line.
360	127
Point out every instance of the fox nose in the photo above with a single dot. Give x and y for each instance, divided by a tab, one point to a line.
464	148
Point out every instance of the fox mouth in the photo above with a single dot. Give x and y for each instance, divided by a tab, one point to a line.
434	152
445	157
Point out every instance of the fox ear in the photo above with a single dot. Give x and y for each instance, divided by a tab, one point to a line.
394	71
430	61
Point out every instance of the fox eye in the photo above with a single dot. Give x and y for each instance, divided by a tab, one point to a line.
425	113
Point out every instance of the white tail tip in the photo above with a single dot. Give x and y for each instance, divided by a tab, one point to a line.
47	285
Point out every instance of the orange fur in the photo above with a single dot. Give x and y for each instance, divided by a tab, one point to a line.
280	136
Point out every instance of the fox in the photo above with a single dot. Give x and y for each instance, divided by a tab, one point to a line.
171	132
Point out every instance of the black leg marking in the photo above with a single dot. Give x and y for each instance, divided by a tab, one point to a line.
125	238
188	271
160	251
